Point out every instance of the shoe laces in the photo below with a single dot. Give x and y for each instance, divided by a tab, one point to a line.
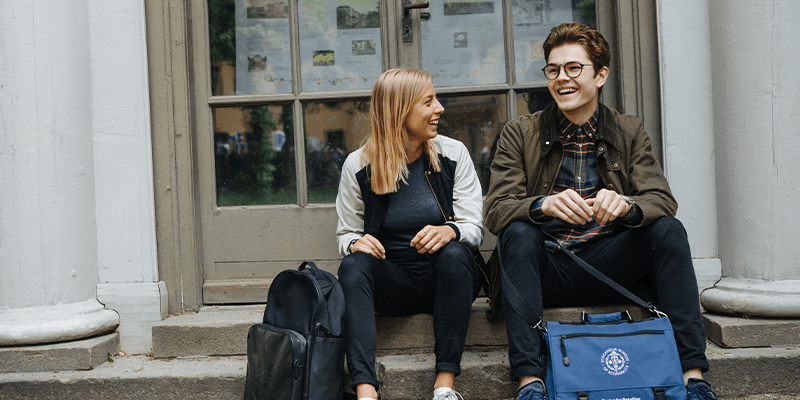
701	392
531	393
451	395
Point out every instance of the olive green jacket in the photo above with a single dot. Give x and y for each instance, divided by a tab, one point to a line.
529	155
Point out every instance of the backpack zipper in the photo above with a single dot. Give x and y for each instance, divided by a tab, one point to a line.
581	335
320	326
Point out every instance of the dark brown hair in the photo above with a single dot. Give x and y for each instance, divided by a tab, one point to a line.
573	32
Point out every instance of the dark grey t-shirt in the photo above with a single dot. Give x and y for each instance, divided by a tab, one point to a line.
411	207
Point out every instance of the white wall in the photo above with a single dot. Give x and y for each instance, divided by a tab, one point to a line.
122	148
126	258
688	126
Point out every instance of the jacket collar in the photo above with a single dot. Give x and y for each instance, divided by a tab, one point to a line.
610	129
549	134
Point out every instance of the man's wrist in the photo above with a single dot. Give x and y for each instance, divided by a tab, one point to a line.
630	202
537	213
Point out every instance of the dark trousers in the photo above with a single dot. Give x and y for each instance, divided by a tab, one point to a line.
371	285
548	278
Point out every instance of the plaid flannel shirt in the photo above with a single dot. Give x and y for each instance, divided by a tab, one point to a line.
578	172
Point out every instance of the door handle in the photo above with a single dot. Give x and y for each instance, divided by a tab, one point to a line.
408	30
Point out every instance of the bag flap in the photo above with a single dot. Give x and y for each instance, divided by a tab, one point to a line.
586	357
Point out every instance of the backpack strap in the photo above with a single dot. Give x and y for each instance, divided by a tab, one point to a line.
322	303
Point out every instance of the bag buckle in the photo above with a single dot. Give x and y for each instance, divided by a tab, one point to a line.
540	326
652	308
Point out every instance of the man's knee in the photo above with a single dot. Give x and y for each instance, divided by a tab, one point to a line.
667	231
522	240
522	232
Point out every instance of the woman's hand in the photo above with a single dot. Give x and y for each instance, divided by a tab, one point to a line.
432	238
368	244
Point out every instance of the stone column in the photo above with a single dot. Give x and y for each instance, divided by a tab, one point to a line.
688	126
756	86
48	240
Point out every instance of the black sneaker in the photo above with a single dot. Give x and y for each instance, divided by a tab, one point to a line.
698	389
532	391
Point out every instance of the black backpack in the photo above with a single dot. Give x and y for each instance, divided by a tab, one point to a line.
297	353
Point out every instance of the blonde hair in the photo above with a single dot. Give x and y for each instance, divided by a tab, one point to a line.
394	94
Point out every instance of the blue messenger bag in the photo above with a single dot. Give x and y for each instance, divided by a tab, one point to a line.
606	356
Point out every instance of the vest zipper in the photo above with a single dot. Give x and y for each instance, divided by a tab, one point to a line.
581	335
434	195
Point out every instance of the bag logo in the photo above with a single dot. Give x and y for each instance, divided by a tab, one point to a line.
614	361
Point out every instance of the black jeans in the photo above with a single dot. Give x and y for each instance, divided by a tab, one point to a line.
371	285
548	278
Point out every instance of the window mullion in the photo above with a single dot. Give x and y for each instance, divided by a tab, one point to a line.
300	154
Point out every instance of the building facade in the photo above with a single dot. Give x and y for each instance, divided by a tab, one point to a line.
159	156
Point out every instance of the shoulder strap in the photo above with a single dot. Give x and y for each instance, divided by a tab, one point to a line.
512	295
517	302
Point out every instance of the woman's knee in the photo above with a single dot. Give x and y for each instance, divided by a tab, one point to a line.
356	268
455	258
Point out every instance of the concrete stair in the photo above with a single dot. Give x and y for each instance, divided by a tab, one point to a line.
201	356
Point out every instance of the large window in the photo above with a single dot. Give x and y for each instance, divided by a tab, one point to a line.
290	83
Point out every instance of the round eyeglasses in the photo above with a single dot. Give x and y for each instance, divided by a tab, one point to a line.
573	69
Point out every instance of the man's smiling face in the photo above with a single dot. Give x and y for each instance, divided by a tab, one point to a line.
576	97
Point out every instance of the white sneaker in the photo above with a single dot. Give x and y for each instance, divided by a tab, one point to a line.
450	394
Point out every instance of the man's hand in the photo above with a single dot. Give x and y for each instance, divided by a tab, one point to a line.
568	206
432	238
370	245
608	206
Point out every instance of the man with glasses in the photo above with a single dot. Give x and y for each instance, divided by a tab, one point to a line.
585	174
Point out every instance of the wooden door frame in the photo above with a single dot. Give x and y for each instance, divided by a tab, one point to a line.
631	29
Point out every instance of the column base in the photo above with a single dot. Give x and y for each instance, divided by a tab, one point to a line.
140	305
708	272
754	297
58	323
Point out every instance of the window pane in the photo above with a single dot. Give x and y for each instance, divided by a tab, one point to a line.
462	42
533	20
249	42
340	44
530	102
475	121
333	130
254	155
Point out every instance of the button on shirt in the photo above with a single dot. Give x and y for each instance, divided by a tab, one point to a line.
578	172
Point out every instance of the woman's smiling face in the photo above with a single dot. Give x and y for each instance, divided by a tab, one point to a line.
423	119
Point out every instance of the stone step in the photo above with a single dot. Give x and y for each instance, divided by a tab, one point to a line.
734	373
763	373
742	332
74	355
222	330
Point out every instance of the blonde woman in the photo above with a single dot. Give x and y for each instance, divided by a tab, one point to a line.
410	211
